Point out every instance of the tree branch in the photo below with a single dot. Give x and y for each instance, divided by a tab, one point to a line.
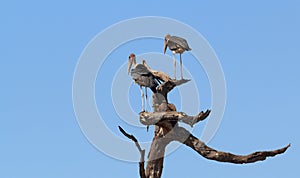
169	83
142	152
180	134
165	119
151	118
158	74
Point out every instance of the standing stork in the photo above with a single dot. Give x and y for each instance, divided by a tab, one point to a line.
142	76
176	45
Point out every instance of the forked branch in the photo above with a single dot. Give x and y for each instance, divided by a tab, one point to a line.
142	151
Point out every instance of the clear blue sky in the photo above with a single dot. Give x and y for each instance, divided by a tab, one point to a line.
257	43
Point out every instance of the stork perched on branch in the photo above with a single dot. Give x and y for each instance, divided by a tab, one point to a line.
177	45
142	76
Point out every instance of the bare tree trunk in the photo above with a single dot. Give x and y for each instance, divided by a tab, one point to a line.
157	151
156	154
165	119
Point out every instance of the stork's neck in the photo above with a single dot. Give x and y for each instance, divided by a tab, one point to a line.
134	62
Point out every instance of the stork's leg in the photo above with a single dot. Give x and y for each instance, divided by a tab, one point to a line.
147	104
181	67
146	99
142	94
174	66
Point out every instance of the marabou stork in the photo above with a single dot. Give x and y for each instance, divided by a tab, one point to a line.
142	76
176	45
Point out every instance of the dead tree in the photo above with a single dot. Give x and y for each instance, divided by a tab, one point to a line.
165	118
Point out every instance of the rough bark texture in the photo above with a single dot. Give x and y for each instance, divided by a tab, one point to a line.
160	104
182	135
151	118
165	119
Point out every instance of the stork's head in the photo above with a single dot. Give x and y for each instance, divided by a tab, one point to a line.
131	61
167	38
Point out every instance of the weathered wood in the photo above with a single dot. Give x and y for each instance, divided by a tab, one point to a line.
152	118
160	104
158	74
163	76
165	119
155	162
157	151
142	152
182	135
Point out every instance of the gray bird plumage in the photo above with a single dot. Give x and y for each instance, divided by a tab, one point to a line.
177	45
143	77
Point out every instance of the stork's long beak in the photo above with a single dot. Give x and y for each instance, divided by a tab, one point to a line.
129	65
165	47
